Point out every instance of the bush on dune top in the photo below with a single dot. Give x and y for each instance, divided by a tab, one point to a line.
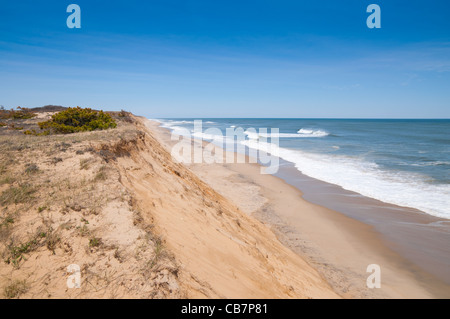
75	119
21	113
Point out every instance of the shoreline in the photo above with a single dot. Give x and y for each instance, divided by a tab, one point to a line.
416	235
339	246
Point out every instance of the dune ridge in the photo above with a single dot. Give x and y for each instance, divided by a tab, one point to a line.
137	224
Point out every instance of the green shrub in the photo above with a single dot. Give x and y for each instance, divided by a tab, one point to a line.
74	120
33	132
95	242
17	128
22	113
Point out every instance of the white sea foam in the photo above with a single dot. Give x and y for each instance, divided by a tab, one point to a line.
178	130
366	178
175	122
305	133
312	133
252	135
435	163
174	125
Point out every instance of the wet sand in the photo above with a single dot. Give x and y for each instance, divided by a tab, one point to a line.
422	238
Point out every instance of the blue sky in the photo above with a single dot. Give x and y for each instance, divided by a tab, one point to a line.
170	58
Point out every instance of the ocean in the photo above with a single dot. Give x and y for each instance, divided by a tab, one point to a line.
401	162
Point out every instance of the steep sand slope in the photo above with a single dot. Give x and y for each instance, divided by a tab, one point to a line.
61	203
222	252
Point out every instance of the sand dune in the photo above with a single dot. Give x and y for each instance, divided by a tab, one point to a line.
137	224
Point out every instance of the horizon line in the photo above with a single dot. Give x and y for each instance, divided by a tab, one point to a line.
312	118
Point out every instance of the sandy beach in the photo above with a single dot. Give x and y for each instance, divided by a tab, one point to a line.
338	246
138	224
